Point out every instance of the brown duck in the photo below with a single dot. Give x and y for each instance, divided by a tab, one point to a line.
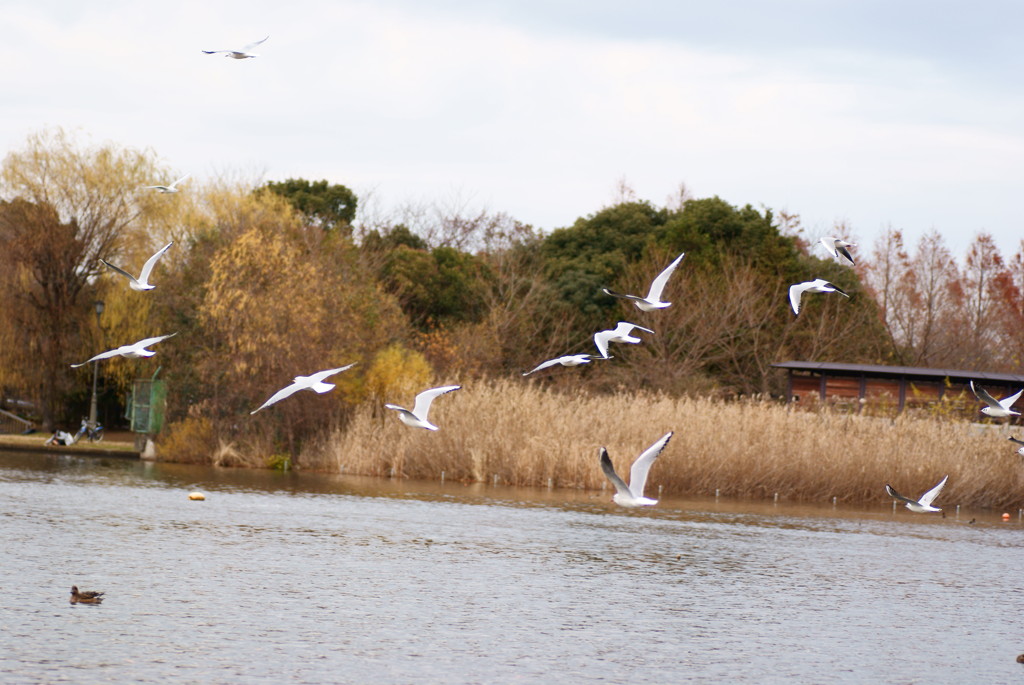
86	597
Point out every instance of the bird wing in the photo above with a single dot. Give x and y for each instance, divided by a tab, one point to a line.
638	472
424	399
841	250
1007	402
658	284
795	292
623	295
102	355
119	270
896	495
601	341
150	341
320	375
625	328
208	52
284	392
250	46
609	470
983	395
1019	442
147	268
544	365
928	497
175	184
829	243
836	288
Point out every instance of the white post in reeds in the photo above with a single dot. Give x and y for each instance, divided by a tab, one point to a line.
495	479
659	492
392	471
549	483
834	500
442	476
958	511
776	498
716	493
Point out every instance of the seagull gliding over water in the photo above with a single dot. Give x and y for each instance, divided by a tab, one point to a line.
567	360
632	495
837	248
134	350
920	505
998	409
818	285
172	188
314	382
417	418
653	299
142	282
619	334
240	54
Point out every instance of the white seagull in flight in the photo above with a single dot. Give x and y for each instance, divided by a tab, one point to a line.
619	334
172	188
314	382
417	418
653	299
921	505
1016	441
135	350
632	495
240	54
142	282
818	285
837	248
998	409
567	360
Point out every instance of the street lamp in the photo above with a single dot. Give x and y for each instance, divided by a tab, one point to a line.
95	371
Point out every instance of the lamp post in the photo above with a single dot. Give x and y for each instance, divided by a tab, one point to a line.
95	371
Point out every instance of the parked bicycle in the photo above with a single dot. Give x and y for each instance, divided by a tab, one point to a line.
94	434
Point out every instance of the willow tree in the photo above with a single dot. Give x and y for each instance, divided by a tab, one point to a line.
64	206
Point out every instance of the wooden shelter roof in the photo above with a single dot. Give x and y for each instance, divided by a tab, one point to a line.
921	373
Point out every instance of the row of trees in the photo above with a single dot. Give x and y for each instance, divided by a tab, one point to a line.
266	283
943	314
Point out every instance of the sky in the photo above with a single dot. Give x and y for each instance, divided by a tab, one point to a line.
871	114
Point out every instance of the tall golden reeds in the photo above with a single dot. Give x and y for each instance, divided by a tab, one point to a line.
519	433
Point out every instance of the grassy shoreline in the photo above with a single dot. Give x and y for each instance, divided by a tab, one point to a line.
522	434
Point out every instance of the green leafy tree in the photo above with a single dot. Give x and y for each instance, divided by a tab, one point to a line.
327	205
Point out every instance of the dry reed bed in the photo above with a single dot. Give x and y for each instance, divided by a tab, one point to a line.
523	434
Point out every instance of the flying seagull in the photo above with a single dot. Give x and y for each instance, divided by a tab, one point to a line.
619	334
85	596
837	248
314	383
998	409
417	418
142	282
135	350
567	360
172	188
632	495
653	299
921	505
818	285
240	54
1020	450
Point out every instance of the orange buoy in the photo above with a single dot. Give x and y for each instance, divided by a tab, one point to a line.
1006	517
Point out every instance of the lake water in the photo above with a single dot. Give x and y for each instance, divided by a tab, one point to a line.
305	578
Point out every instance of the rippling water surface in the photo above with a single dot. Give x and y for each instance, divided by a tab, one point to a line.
306	578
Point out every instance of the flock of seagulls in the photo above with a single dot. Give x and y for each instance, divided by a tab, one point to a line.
631	495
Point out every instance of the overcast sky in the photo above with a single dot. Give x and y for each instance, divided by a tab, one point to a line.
909	114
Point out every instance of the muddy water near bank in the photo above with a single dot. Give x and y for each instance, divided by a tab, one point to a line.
310	578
